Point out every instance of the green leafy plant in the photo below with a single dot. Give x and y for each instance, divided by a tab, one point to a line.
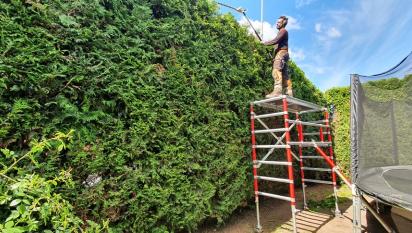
328	203
340	97
30	203
158	95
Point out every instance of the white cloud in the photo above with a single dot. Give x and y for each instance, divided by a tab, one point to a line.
318	27
297	54
326	36
368	27
301	3
355	39
269	31
335	78
333	33
315	69
293	23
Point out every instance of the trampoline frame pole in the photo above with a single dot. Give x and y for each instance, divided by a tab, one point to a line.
255	180
363	200
302	173
376	215
290	166
356	221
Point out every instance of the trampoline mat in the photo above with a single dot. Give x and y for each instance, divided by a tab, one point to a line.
392	184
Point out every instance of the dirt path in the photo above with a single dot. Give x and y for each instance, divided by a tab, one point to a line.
276	216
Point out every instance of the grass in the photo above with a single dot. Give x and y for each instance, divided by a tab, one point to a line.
344	195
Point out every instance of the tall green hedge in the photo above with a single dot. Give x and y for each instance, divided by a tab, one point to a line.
157	93
340	98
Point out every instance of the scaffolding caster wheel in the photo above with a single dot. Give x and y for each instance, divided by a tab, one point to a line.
258	229
338	213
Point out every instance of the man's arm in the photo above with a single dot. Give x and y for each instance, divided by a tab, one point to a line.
278	38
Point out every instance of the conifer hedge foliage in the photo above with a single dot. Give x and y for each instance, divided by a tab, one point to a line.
157	94
340	97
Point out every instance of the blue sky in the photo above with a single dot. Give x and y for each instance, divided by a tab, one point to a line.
330	39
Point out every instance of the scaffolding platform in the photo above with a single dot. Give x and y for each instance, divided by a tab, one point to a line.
284	107
295	105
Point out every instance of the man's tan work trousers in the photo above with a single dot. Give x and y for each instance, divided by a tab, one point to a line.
280	74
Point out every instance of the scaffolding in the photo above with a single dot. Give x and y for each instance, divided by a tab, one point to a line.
285	107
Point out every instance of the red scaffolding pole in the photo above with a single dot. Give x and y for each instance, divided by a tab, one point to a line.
290	166
255	175
301	164
281	107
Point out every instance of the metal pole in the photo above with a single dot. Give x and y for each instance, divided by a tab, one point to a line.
376	215
255	166
261	18
357	227
290	166
335	190
239	9
329	131
356	221
364	201
302	173
250	23
332	165
243	11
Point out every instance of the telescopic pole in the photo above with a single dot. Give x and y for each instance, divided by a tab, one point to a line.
243	11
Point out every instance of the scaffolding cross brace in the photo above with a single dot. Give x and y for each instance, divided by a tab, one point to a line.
283	106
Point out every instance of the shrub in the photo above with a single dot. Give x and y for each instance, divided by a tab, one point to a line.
157	92
29	202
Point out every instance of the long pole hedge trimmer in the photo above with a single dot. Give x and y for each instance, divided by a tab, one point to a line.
243	11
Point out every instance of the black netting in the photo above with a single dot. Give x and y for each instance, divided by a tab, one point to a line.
381	131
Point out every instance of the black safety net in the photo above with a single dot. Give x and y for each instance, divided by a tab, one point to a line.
381	134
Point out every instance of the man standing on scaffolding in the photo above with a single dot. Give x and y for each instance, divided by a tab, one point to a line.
280	66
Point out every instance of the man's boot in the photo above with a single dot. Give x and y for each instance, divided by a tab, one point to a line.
277	90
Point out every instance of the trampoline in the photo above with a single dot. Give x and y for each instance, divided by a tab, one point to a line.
393	180
381	134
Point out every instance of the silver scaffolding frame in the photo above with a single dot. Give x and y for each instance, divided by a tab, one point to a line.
283	106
